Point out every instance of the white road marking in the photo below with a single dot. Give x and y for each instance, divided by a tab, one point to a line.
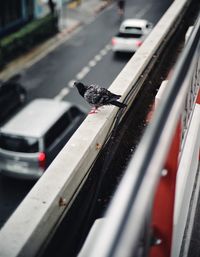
108	47
103	52
64	91
98	57
71	83
83	72
62	94
58	98
92	63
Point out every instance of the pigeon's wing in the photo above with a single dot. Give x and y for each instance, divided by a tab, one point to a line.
104	96
107	96
94	95
98	96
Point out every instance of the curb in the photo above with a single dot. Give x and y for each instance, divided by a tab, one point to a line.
68	31
101	7
37	53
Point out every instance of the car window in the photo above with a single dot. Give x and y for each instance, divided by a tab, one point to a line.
8	87
56	130
74	112
136	30
4	91
19	144
129	35
133	28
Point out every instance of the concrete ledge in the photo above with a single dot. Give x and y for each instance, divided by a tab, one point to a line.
26	230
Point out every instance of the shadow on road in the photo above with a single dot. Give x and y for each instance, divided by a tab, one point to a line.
12	192
121	57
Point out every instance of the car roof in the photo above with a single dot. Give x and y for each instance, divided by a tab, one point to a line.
35	118
134	23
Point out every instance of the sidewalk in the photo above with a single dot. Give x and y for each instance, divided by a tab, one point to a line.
72	18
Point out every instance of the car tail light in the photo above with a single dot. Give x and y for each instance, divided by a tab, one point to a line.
113	41
139	43
42	160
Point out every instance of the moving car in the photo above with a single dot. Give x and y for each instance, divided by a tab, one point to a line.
131	35
12	96
31	139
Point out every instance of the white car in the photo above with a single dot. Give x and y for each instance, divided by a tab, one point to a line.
131	35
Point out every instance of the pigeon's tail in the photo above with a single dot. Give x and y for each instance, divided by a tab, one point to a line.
117	96
118	104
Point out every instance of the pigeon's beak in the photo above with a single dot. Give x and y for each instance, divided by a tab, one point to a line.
74	85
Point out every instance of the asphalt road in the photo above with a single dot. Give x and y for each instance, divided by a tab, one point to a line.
85	56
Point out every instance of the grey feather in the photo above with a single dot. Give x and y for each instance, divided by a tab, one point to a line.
98	96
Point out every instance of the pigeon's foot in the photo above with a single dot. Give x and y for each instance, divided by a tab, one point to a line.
93	111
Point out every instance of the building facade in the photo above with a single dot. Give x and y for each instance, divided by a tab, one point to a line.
15	13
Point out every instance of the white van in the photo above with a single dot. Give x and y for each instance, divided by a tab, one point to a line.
31	139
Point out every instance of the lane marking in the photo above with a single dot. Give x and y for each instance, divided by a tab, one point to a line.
98	57
71	83
92	63
85	70
103	52
83	73
108	47
65	91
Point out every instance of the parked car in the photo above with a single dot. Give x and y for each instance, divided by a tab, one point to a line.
31	139
131	35
12	96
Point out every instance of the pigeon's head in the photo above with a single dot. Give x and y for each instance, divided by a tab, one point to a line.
80	86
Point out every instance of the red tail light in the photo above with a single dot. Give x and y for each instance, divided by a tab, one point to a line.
139	43
42	160
113	41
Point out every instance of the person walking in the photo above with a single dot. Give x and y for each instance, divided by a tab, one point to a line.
52	6
121	7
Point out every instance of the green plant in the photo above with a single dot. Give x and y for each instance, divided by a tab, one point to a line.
24	39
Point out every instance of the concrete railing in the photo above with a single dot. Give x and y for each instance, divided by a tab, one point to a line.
27	229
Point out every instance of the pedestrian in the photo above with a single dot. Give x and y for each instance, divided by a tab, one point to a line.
121	7
52	6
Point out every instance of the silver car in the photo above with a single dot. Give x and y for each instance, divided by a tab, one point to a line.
31	139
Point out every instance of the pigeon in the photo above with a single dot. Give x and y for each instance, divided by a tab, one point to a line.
98	96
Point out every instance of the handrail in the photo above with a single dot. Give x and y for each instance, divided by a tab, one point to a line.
125	217
29	226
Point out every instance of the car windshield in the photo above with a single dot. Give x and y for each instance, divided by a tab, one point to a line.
19	144
135	30
129	35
